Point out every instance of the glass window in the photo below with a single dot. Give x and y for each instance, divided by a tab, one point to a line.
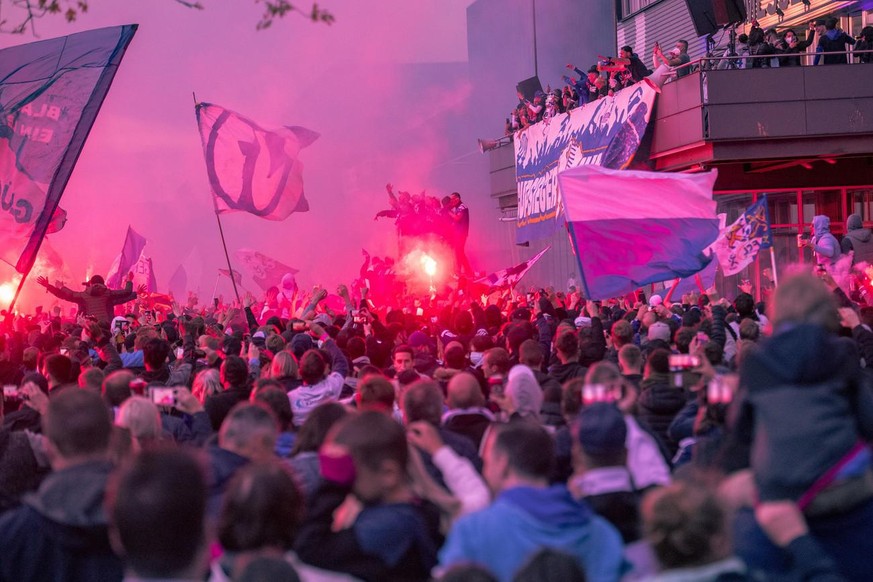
861	202
628	7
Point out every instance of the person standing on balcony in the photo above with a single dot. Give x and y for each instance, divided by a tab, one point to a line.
833	40
789	47
823	243
676	58
858	240
460	220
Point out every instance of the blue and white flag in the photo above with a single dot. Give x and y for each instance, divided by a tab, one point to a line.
738	244
630	229
510	277
252	169
606	133
50	93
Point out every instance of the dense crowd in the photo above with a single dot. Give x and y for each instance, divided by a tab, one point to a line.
756	49
539	436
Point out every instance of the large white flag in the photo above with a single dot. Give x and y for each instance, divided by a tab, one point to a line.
252	169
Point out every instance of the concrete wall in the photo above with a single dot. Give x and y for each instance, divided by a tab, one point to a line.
509	41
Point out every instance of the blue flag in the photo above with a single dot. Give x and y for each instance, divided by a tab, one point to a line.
50	93
656	230
738	244
134	243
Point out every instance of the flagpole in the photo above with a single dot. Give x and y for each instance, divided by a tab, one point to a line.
18	291
227	256
220	229
773	267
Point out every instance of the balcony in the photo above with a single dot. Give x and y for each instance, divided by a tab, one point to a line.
757	125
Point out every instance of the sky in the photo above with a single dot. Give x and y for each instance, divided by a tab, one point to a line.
386	86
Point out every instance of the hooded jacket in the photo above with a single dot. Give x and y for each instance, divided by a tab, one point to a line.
521	521
858	240
60	532
825	245
96	300
818	377
658	404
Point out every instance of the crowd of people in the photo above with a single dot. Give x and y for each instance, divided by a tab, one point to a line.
421	218
757	49
536	436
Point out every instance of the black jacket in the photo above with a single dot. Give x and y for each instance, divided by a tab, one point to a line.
658	405
60	532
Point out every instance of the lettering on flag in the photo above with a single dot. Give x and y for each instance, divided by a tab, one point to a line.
265	271
509	278
252	169
606	133
738	244
50	94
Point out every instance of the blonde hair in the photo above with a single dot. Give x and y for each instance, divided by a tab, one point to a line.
206	383
803	298
141	417
284	364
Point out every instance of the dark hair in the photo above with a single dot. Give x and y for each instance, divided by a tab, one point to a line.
77	423
529	448
831	23
154	353
659	361
549	564
356	347
530	353
684	44
157	505
236	371
683	339
312	367
498	359
456	357
262	507
467	572
116	387
267	567
270	393
375	391
571	399
372	438
568	344
423	400
403	348
463	323
745	306
627	49
316	426
680	522
59	367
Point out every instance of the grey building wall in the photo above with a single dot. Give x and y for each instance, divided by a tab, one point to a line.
664	22
512	40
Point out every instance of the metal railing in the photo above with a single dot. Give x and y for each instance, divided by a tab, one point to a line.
739	61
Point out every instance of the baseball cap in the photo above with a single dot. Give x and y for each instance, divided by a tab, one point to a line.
582	321
655	300
601	429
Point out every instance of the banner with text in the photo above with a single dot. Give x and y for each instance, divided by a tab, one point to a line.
606	133
50	93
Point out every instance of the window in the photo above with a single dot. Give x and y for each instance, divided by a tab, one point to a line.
628	7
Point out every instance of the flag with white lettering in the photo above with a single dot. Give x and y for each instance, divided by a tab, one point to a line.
509	278
252	169
265	271
738	244
50	93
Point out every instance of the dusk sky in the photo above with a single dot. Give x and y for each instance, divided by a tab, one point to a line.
385	86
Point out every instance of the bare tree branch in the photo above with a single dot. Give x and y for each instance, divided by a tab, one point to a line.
20	16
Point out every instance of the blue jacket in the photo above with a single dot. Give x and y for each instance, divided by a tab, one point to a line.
522	521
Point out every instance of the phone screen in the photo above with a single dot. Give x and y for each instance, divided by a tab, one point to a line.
162	396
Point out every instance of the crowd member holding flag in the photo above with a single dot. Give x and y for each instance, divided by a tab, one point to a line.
97	300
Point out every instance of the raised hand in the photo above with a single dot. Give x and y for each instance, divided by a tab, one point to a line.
142	289
42	280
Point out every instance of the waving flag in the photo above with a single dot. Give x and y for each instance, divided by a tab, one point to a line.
630	229
265	271
511	276
251	169
134	243
144	274
50	93
237	277
738	244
